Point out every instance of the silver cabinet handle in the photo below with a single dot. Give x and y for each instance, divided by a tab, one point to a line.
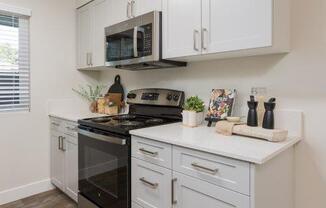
62	144
128	9
209	170
203	38
59	142
150	184
55	124
174	201
196	33
132	8
71	129
87	59
146	152
91	59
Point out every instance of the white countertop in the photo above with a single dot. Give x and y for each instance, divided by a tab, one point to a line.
74	116
205	139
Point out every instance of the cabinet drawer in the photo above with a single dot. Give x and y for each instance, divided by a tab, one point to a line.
152	151
222	171
190	192
56	124
151	184
70	128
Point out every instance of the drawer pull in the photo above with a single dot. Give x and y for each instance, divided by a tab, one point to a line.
71	129
146	152
55	124
150	184
174	201
209	170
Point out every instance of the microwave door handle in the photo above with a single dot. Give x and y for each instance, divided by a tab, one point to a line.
135	42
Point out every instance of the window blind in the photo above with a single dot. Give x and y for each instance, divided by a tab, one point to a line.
14	63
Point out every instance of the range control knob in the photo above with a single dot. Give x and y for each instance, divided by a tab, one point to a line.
169	97
176	97
131	96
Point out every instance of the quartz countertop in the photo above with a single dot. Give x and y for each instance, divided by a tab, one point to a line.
74	116
205	139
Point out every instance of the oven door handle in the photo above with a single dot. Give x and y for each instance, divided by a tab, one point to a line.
104	138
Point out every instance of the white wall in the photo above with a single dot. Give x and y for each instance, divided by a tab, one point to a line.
296	79
24	140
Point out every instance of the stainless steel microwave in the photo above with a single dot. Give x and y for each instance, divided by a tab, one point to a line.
136	44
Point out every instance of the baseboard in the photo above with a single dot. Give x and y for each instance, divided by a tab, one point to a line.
24	191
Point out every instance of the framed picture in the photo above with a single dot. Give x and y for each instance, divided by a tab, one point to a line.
221	104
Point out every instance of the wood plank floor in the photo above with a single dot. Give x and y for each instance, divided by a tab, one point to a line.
50	199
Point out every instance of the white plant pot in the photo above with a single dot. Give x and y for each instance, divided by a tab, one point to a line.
192	118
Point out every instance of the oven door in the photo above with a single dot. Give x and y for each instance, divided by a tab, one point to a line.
133	41
104	168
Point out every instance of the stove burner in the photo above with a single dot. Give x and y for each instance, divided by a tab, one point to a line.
124	117
101	120
131	123
154	121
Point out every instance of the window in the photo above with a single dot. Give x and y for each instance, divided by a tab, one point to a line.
14	63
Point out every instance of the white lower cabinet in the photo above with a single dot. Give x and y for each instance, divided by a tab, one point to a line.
151	185
158	186
190	192
64	156
71	168
57	161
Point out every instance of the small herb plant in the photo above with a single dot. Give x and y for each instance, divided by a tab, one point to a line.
89	92
194	103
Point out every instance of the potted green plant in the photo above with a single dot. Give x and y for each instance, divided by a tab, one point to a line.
193	113
91	94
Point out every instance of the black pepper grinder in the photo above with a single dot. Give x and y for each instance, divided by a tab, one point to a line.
268	122
252	119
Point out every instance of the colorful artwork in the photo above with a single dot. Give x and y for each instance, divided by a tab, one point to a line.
221	104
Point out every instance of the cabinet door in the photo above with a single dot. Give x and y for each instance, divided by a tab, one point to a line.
83	36
230	25
191	193
119	11
140	7
100	20
57	161
181	28
151	185
71	169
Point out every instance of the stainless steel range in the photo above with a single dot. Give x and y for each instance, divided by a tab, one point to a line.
105	146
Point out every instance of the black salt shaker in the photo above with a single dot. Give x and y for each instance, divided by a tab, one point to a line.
252	119
268	122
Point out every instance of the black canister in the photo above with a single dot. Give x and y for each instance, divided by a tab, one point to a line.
268	122
252	119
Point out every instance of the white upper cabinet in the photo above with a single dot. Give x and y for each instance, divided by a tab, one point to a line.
100	20
226	28
83	37
119	11
181	28
230	25
91	22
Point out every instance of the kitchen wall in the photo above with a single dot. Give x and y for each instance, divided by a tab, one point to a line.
296	79
24	140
